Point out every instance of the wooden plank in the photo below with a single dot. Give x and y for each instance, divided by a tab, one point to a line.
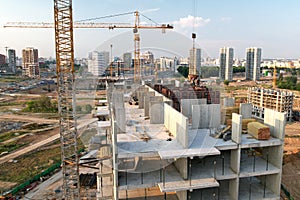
258	130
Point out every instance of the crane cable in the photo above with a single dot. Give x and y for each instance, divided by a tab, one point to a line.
117	15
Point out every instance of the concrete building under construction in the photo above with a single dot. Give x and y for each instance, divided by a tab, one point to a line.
278	100
149	148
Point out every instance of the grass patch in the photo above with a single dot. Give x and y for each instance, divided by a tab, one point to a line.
29	165
10	135
11	146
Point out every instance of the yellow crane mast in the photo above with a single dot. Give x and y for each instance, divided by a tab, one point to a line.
63	21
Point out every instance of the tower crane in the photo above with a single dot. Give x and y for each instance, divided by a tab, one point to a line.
64	47
82	24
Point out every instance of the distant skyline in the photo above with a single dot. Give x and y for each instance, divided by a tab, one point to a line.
270	25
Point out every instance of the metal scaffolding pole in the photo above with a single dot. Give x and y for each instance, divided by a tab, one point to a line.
66	97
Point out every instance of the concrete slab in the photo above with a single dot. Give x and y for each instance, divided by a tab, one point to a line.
104	124
188	153
246	110
250	142
188	185
259	167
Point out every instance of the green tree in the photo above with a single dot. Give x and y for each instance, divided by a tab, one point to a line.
226	82
184	71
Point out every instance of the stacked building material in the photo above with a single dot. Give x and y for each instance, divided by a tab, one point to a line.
258	130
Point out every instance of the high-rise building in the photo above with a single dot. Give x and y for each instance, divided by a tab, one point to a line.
127	58
147	57
195	62
30	62
12	60
98	62
2	59
253	59
226	62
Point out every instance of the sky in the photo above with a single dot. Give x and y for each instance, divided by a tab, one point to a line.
269	24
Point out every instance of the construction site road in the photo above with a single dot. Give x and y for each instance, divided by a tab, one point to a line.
21	118
13	155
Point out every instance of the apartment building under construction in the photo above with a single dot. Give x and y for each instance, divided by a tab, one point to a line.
150	150
279	100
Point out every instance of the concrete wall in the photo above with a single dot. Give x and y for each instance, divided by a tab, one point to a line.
182	166
141	92
206	116
228	101
276	121
165	99
147	103
177	124
186	105
156	112
246	110
236	128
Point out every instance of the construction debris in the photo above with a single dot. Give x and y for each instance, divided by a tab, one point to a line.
259	130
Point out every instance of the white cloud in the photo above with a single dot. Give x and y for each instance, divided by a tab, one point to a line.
226	19
150	10
190	22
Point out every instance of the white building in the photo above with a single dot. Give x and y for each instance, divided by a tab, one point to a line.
168	64
30	63
195	62
226	62
253	60
127	59
98	62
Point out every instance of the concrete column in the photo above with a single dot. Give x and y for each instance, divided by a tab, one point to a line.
182	166
234	189
246	110
115	160
147	102
182	195
236	128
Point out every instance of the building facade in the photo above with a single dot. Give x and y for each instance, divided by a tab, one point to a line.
195	62
12	60
98	62
278	100
30	63
253	60
226	62
127	59
2	59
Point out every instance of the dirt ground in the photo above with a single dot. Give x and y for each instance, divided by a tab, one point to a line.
291	160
